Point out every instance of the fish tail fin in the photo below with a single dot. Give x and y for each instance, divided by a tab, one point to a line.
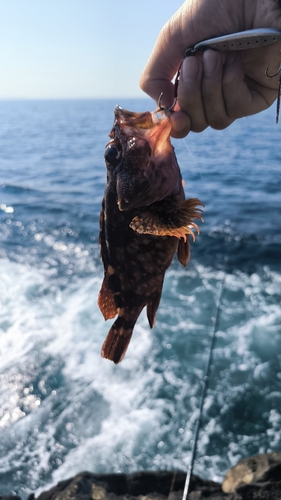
117	340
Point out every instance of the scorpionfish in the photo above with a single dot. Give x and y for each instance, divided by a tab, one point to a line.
144	221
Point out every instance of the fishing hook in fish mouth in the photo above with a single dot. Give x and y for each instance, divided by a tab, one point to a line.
176	84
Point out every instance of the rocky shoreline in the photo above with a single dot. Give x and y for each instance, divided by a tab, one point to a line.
257	477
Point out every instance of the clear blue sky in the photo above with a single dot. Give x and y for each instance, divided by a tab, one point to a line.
77	48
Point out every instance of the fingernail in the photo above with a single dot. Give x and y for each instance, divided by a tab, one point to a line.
180	124
190	69
210	62
180	121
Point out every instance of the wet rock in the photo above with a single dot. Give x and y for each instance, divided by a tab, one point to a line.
258	491
146	485
260	468
10	497
255	478
258	477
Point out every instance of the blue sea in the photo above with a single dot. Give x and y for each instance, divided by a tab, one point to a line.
63	408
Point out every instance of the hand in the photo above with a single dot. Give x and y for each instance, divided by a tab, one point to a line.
215	88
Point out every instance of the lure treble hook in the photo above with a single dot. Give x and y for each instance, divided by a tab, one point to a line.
176	84
278	72
164	108
275	74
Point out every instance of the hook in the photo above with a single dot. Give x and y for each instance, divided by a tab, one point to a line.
275	74
279	89
176	84
163	108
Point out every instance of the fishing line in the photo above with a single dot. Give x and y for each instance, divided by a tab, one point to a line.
209	362
204	390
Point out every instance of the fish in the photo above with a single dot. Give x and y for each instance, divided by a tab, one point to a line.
144	221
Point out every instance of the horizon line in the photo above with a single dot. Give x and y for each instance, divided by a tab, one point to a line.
2	99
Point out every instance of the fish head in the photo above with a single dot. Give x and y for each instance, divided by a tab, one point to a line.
141	159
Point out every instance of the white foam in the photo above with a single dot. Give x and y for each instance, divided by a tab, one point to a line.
141	413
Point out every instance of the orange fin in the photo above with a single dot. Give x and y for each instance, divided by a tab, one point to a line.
117	340
178	223
106	301
152	306
184	251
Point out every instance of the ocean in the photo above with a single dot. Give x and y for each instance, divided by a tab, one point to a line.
63	408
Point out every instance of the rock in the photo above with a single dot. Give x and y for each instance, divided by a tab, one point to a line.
258	491
10	497
260	468
255	478
258	477
145	485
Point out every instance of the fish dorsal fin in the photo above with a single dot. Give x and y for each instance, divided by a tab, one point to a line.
178	222
184	251
106	301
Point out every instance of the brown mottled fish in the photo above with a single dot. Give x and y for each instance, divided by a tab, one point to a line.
144	221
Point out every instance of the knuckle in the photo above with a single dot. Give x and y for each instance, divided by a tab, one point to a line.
143	83
198	127
235	112
221	123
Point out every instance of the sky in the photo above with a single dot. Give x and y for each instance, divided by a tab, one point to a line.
69	49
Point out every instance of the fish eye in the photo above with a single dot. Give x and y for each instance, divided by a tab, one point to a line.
112	153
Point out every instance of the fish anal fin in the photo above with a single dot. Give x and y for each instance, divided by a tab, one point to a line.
152	306
184	251
178	223
117	340
106	301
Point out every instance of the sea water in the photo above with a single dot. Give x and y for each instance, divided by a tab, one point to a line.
63	408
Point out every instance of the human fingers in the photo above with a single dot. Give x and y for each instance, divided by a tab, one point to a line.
181	124
195	20
212	90
163	63
242	95
189	92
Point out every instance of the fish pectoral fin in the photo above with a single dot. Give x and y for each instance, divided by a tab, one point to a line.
106	301
178	223
184	251
152	306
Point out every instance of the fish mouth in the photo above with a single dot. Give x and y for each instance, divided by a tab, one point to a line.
154	127
144	120
145	139
132	119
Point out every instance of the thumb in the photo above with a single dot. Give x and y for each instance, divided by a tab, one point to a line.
189	25
164	61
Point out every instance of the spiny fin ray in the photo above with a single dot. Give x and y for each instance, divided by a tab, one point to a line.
178	223
184	251
106	301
